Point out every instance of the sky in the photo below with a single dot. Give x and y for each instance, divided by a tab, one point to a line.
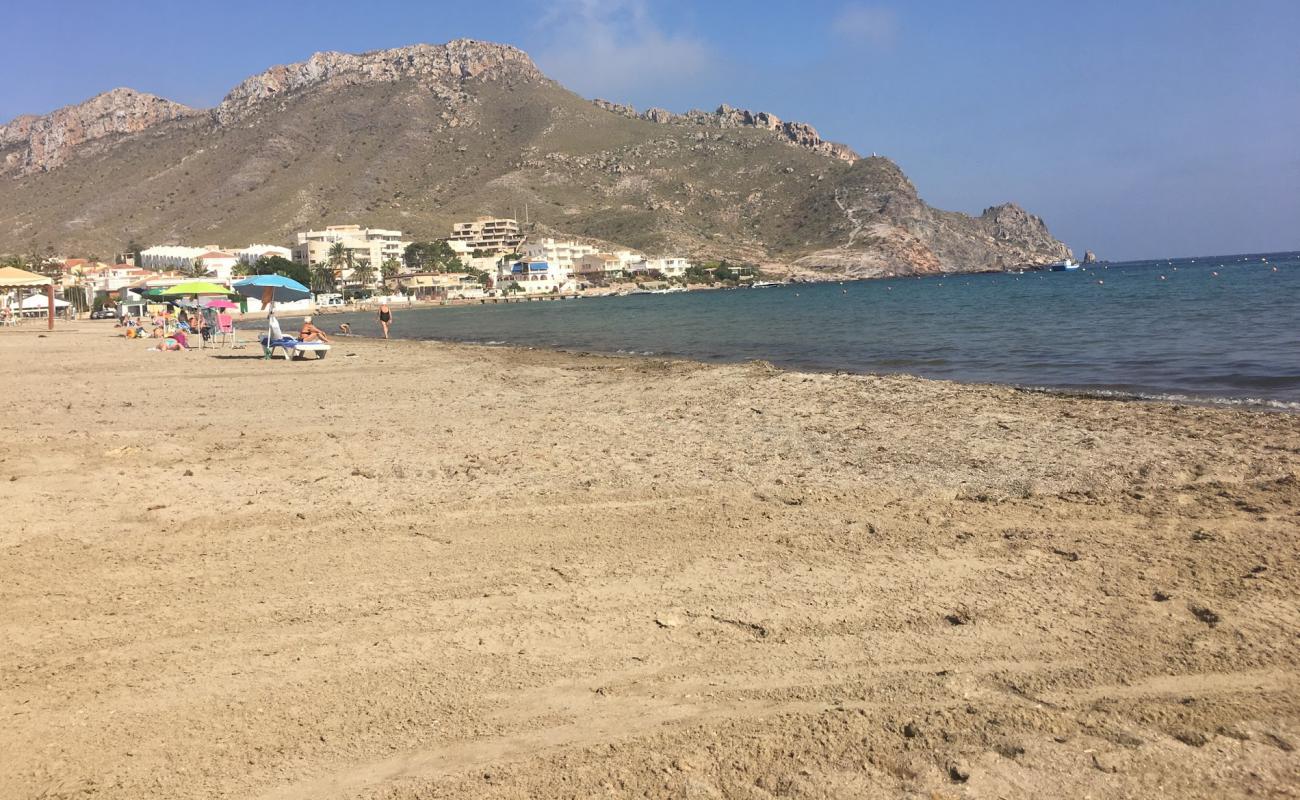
1139	129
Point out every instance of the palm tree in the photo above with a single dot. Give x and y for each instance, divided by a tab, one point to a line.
338	256
363	274
322	278
390	269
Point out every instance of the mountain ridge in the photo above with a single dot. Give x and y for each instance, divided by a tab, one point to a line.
420	136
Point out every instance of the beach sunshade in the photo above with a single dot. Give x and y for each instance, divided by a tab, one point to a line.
38	301
12	276
220	303
195	288
272	288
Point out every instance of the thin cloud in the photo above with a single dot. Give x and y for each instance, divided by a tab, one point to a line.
875	26
616	49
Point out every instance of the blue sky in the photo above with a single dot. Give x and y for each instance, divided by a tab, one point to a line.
1137	129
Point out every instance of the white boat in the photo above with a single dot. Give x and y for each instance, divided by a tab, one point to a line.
764	284
1064	265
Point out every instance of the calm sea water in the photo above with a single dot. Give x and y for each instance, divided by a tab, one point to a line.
1231	338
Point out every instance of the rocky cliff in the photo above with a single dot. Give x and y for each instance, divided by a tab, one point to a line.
38	143
419	137
439	68
797	133
887	229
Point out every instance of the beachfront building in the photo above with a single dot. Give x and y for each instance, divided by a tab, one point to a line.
440	285
534	277
107	279
172	256
250	255
485	261
665	267
561	254
218	264
600	266
371	246
486	235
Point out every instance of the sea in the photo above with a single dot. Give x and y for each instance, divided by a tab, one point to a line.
1221	330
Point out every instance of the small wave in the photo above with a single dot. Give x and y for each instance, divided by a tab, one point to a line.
1172	397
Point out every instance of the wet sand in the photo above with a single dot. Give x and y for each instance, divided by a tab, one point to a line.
415	570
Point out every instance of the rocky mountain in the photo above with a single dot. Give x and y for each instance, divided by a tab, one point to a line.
35	144
418	137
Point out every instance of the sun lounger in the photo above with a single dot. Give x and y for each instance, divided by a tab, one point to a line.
289	346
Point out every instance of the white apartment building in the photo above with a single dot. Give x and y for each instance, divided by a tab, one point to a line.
466	255
172	256
371	246
601	265
535	277
107	279
218	263
667	267
487	234
564	255
250	254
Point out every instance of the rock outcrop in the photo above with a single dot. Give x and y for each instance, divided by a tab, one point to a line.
38	143
888	230
441	68
796	133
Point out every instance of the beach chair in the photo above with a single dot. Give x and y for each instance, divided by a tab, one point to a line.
212	328
288	345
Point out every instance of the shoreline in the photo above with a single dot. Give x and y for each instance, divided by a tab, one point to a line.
418	568
1099	393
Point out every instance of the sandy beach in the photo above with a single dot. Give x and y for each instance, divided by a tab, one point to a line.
417	570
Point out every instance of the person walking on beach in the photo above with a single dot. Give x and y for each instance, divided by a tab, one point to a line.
385	317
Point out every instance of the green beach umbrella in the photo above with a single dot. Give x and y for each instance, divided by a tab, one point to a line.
195	288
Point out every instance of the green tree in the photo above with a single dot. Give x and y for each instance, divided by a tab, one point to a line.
322	278
195	270
338	257
279	265
363	275
724	272
390	270
435	256
698	273
134	249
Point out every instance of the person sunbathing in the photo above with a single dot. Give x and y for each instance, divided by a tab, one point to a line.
177	341
310	333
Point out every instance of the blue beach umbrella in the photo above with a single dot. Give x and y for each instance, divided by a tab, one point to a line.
271	289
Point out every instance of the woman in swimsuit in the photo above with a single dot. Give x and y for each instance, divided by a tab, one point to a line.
385	317
310	333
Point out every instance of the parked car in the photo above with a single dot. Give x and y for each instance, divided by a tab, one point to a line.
104	313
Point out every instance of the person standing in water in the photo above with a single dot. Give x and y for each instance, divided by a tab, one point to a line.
385	317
